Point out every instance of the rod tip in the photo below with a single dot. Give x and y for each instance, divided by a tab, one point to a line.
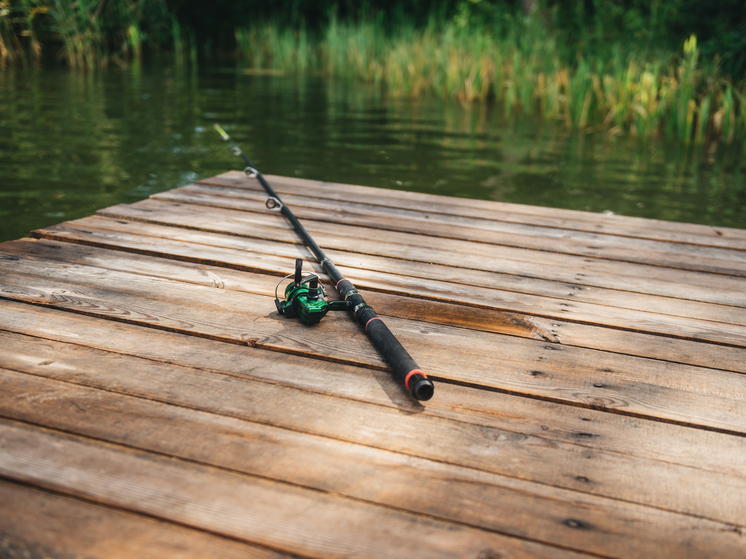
221	131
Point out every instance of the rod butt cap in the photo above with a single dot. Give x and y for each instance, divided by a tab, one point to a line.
422	388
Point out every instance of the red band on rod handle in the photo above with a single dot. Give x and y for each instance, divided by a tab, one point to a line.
409	375
371	320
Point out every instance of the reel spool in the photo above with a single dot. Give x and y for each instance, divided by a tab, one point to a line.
305	298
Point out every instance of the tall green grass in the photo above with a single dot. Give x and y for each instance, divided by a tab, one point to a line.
520	66
522	63
85	33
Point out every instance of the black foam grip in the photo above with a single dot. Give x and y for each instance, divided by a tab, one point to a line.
397	356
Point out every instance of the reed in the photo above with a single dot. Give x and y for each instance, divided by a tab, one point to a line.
523	68
6	34
91	32
498	56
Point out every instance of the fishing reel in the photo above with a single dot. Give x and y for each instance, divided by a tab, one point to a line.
305	298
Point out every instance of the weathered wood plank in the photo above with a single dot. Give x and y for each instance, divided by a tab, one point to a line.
608	297
472	295
411	245
531	417
278	515
616	317
505	452
620	383
510	275
540	513
499	211
499	282
554	329
46	525
441	312
475	231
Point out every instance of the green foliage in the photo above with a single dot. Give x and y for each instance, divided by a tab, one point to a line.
642	67
524	68
654	27
90	32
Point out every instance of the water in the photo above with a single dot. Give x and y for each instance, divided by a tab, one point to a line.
71	143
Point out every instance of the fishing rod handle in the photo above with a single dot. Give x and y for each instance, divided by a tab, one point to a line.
390	348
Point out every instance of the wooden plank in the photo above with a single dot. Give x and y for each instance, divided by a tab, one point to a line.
510	275
615	317
565	374
411	245
499	211
607	297
277	515
473	230
548	421
445	291
441	312
610	528
554	329
48	525
452	441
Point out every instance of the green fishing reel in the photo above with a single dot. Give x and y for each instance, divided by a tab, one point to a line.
305	298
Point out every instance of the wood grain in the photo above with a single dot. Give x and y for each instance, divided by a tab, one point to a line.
531	417
528	510
410	245
488	449
47	525
125	233
474	230
590	373
251	509
610	381
220	262
572	220
473	294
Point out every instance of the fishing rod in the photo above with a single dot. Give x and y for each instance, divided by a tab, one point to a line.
305	297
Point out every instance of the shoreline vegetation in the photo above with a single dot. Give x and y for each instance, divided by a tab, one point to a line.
675	97
544	64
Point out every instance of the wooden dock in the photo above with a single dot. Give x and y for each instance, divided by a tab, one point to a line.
590	379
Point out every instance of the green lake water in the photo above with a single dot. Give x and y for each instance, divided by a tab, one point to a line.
73	142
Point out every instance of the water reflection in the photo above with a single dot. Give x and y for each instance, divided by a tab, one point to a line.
72	142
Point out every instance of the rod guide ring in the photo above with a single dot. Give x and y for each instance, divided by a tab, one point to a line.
273	203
